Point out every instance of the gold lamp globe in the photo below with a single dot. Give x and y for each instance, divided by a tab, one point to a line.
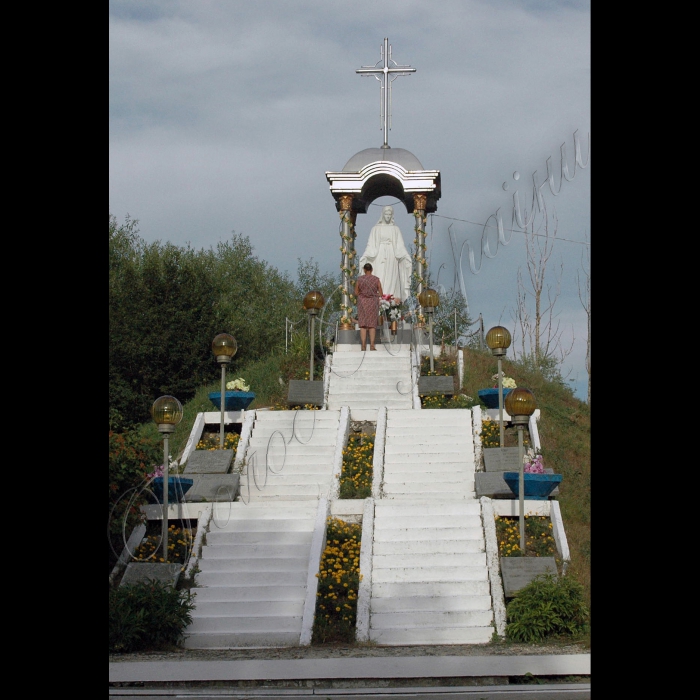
167	413
314	301
520	404
224	347
429	299
498	340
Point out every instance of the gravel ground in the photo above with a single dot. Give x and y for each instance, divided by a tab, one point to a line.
355	651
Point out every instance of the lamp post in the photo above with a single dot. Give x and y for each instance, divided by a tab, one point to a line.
313	301
224	347
520	404
167	413
498	340
429	299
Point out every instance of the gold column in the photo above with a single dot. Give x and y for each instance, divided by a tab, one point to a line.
347	264
420	201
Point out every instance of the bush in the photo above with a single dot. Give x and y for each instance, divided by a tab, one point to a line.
547	607
147	616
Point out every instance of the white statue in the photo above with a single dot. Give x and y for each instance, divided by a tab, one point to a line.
388	256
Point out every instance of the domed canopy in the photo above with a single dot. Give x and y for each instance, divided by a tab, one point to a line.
380	172
372	155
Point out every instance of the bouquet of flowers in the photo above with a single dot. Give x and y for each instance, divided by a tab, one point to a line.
391	306
508	382
237	385
534	464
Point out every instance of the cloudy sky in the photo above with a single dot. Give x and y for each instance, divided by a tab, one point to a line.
225	116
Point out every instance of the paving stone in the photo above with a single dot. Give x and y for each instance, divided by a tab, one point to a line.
138	572
436	386
519	571
209	462
213	488
303	392
501	459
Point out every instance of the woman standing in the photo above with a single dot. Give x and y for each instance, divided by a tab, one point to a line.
368	290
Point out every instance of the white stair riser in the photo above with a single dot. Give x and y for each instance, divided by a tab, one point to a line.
244	640
267	608
430	589
252	578
248	594
245	624
398	561
422	547
429	522
436	574
287	479
254	551
282	492
399	484
446	534
407	620
420	466
311	461
383	509
460	635
428	604
277	565
291	525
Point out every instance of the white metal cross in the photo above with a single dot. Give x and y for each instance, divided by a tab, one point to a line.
386	74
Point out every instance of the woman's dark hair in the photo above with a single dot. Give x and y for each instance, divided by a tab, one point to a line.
367	266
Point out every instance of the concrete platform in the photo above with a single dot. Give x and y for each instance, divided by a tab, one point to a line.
384	667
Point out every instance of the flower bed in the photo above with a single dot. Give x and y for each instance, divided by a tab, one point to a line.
356	474
211	441
338	581
539	540
179	545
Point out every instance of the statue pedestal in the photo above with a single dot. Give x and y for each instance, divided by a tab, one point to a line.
349	340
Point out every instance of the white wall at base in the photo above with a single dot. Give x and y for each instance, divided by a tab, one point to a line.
203	519
498	600
415	371
511	507
476	432
318	544
559	534
364	590
341	441
243	443
326	379
194	438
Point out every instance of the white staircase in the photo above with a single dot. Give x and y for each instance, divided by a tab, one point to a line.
429	453
252	585
430	581
364	381
290	456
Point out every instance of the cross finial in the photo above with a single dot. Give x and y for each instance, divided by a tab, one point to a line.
386	74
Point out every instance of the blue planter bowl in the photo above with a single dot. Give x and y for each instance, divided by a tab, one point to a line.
490	397
233	400
178	486
538	487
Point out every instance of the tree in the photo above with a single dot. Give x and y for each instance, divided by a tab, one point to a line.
538	331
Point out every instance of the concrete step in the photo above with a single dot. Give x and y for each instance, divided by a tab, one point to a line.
446	478
427	523
251	578
443	534
266	608
276	448
242	640
455	635
321	459
282	493
239	624
285	511
428	455
431	619
420	507
254	551
456	489
438	574
430	546
278	525
247	595
430	589
265	538
437	560
285	565
414	604
419	467
289	477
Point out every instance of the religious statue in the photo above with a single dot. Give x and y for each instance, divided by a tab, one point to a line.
388	256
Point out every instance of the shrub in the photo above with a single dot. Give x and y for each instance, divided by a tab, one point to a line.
547	607
147	616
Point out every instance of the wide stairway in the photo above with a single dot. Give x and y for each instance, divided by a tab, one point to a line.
290	456
364	381
430	581
252	585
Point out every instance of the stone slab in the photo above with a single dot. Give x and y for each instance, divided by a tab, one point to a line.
517	572
493	485
436	386
209	462
501	459
213	488
352	668
139	572
303	392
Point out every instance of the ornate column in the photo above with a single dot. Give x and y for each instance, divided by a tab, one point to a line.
348	263
419	265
